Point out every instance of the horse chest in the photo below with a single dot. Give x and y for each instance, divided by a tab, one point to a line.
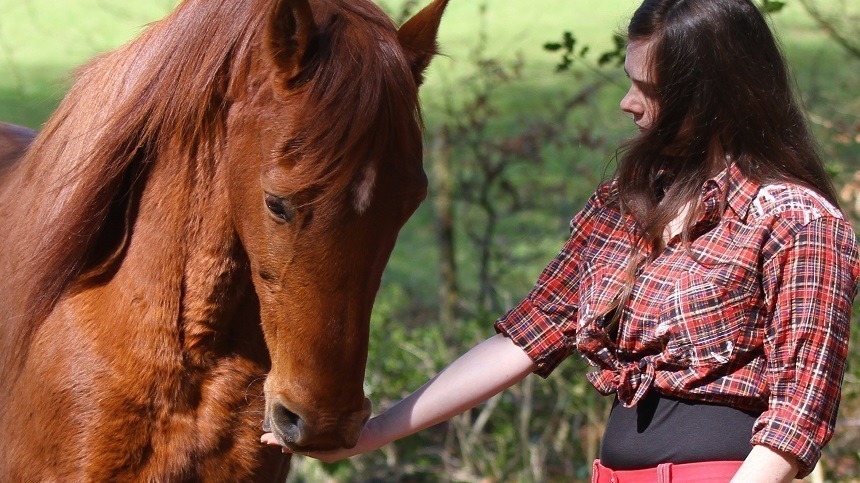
185	426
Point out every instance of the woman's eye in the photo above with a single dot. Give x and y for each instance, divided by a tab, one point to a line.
279	207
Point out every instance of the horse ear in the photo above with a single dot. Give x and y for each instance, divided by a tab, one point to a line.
418	37
290	32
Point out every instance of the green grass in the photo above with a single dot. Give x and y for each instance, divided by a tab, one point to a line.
41	41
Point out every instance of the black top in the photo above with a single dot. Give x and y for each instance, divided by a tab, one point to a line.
663	429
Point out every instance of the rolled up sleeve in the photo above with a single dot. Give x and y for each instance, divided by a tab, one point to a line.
810	282
544	323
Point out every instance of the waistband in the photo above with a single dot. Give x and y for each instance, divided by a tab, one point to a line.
701	472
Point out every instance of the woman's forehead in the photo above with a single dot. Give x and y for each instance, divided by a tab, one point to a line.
636	62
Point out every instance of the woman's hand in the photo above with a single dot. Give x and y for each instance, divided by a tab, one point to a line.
366	442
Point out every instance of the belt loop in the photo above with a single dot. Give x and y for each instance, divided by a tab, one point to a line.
664	473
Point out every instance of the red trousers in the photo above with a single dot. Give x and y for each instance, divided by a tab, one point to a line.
704	472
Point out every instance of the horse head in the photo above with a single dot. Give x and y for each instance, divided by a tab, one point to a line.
325	161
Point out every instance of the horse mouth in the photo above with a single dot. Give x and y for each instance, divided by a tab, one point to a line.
303	448
291	439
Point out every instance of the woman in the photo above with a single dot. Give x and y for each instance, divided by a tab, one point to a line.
710	282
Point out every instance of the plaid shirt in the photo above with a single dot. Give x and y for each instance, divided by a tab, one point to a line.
760	322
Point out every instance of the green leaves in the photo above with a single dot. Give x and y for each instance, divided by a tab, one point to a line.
771	6
617	54
567	44
571	52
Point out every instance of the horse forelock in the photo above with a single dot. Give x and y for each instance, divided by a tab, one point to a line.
360	108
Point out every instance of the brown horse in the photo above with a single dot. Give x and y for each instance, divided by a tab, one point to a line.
191	248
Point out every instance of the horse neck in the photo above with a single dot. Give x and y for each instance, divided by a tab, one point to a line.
186	248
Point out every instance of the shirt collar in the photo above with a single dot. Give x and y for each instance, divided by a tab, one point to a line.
740	188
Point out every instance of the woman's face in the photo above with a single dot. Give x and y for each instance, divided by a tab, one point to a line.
639	100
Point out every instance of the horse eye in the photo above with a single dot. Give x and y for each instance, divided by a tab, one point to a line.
280	207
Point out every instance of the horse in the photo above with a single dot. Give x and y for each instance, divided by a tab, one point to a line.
192	244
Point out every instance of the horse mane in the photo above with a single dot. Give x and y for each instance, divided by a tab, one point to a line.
168	92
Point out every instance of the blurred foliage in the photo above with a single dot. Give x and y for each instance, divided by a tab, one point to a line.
570	52
840	19
771	6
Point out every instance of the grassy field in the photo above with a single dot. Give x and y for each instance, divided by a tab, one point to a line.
41	41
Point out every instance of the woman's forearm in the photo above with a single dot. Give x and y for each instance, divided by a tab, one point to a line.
476	376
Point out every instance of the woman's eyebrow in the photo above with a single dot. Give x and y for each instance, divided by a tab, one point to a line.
638	81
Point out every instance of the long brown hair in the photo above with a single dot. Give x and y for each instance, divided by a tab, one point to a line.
721	78
723	95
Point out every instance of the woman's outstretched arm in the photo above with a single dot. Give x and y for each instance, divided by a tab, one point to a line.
484	371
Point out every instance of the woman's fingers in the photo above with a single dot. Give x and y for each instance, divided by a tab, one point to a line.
269	439
324	456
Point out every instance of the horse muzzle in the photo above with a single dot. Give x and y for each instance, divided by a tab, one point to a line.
306	431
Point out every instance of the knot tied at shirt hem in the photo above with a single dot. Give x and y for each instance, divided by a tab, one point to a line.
630	382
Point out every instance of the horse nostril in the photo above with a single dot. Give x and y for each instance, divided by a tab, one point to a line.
284	414
287	423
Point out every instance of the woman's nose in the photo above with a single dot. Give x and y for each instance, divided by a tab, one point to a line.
630	105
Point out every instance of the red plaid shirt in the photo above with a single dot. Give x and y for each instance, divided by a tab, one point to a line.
760	322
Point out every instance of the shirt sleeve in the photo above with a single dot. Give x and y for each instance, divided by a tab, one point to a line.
544	323
810	284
